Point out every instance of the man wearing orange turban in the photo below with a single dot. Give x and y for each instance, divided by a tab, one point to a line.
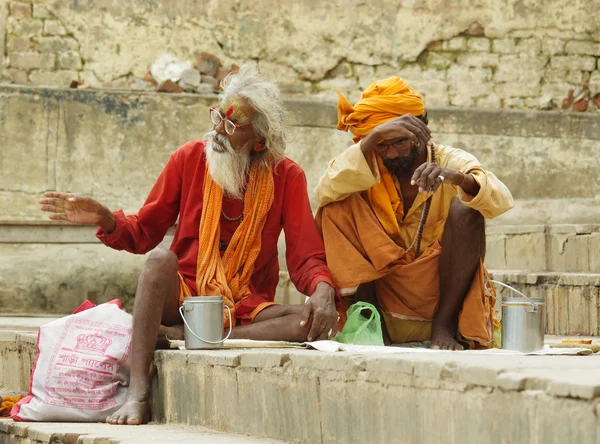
402	219
232	194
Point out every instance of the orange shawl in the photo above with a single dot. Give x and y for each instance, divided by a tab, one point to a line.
382	101
230	275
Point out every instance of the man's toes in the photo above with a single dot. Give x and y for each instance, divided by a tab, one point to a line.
133	421
122	420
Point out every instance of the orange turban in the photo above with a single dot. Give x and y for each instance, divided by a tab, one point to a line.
382	101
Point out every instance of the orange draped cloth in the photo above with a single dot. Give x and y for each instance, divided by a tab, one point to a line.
230	275
360	251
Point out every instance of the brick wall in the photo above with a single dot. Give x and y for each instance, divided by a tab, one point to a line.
509	54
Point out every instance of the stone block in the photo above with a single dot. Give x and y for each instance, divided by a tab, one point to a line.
25	28
440	59
594	246
70	61
455	44
504	46
478	60
529	47
478	44
31	60
553	46
491	101
16	76
526	252
40	11
54	27
20	10
57	44
557	76
569	252
516	89
53	78
573	63
495	257
520	68
594	83
18	44
583	47
263	358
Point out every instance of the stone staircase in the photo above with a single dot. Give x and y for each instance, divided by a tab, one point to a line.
558	263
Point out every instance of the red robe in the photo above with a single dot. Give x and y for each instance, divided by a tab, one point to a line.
178	192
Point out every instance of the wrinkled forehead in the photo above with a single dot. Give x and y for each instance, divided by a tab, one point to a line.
237	109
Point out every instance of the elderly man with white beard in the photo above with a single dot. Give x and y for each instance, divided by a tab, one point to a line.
233	194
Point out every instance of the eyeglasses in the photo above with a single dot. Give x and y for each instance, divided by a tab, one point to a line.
216	117
405	144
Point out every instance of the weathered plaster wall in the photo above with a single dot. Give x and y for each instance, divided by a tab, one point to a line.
482	53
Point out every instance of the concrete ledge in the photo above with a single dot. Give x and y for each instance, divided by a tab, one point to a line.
73	433
315	397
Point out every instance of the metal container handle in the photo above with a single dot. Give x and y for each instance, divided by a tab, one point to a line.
204	340
534	305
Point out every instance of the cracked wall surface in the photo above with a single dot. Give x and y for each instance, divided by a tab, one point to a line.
512	54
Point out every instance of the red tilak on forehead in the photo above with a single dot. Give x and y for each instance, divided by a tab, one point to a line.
229	112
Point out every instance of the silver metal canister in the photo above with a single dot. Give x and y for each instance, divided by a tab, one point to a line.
523	322
203	320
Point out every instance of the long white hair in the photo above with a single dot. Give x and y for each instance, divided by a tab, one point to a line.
263	96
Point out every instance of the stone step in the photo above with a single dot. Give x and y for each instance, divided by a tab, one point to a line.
562	247
572	299
83	433
307	396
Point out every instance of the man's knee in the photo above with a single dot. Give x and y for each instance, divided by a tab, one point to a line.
465	218
162	262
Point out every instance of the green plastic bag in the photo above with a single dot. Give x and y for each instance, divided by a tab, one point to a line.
360	330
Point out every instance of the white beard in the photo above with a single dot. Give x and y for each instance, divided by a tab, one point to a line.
228	169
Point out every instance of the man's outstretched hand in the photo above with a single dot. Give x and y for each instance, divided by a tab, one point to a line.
321	305
78	210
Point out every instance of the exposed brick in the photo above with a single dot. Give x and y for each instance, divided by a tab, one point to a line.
514	102
31	60
439	60
54	27
40	11
478	44
583	47
18	44
20	10
529	47
522	68
553	46
16	76
573	63
595	87
70	61
57	44
478	60
455	44
557	76
489	101
25	28
53	78
516	89
504	46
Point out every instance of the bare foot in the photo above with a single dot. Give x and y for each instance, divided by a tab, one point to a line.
443	340
167	334
131	413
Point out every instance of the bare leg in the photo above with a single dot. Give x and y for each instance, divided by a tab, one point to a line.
275	323
156	299
463	246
